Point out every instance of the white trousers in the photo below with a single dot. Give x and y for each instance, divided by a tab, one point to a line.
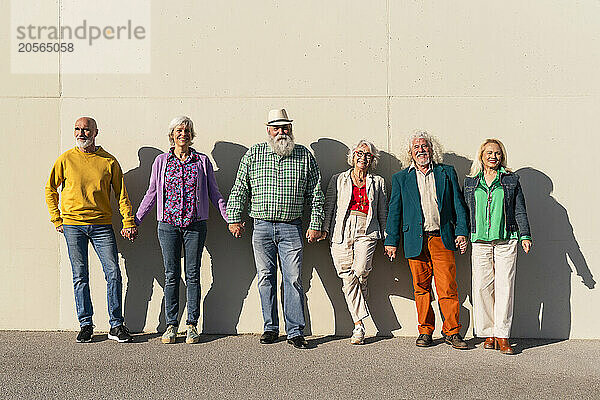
353	261
494	267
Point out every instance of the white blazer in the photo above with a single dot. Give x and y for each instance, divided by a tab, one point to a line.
337	202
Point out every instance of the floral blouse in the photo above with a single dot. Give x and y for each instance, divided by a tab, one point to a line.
180	189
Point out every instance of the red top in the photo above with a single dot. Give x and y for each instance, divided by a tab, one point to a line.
359	200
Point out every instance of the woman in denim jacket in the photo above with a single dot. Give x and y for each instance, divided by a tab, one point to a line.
498	222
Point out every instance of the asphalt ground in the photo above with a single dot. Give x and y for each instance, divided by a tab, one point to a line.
51	365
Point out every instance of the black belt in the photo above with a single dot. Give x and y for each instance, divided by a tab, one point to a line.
432	233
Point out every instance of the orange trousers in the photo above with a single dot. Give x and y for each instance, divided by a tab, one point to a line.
435	261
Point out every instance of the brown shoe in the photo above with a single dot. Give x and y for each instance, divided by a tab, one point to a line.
424	340
504	346
456	341
490	343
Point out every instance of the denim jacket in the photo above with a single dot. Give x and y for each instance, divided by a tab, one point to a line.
515	213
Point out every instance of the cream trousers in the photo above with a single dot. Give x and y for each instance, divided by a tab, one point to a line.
353	262
494	267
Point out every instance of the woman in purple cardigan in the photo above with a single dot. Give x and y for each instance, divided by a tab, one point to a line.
181	184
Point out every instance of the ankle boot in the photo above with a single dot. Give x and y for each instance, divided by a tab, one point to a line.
490	343
504	346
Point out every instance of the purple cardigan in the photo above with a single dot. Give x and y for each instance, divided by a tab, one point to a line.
206	187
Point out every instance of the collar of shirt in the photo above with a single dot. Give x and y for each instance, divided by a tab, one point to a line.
191	158
429	170
496	180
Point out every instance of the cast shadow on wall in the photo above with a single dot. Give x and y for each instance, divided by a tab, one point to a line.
143	259
543	281
232	259
542	307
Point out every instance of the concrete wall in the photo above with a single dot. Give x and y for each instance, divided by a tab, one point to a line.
523	72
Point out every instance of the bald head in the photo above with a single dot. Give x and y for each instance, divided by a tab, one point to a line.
85	133
91	122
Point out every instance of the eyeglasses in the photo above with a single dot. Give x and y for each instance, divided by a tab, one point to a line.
361	154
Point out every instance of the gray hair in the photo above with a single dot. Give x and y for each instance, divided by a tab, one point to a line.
372	149
182	119
435	146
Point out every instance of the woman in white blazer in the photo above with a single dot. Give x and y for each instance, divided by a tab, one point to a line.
355	218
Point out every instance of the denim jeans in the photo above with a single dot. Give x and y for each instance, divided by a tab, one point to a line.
171	239
283	239
105	245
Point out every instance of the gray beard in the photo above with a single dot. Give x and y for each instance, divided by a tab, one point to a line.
84	144
282	145
423	163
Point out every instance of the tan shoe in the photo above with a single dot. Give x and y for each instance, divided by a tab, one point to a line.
490	343
504	347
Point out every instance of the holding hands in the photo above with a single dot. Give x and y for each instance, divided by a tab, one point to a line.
315	236
461	244
237	229
390	251
129	233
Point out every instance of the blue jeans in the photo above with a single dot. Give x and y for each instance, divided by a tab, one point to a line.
283	239
105	245
171	239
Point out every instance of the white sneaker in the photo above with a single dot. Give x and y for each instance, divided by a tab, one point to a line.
170	335
358	335
192	335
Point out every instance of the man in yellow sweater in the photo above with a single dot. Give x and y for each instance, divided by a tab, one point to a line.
86	174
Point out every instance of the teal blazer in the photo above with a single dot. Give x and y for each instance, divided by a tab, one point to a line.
405	215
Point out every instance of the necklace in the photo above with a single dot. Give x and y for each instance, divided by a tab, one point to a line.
358	180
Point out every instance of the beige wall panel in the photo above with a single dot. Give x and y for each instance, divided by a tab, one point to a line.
134	130
548	145
29	268
28	85
234	49
536	48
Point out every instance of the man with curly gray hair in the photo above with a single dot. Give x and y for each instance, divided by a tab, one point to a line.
428	208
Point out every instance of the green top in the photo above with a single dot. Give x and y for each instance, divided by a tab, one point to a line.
277	186
489	221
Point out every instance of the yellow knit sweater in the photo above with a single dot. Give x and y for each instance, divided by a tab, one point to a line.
86	179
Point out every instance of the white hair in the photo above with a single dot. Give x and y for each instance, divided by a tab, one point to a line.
437	151
182	119
372	149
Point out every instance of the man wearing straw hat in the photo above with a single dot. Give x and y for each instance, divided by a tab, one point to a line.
278	177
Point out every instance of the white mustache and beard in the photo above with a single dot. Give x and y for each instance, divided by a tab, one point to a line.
84	143
282	144
422	161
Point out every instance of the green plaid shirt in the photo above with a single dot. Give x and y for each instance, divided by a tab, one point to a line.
277	186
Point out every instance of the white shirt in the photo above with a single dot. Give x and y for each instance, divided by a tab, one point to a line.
428	194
